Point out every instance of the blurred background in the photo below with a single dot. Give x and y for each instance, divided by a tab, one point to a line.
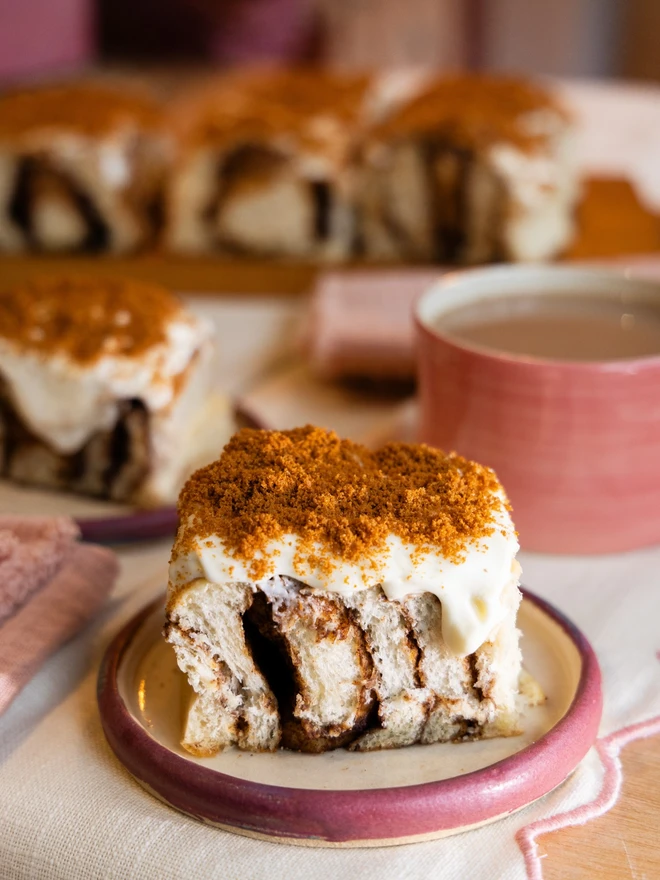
577	38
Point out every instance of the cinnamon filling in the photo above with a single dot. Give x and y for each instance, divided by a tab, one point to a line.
449	169
271	658
322	205
267	630
112	464
464	202
268	627
253	169
33	180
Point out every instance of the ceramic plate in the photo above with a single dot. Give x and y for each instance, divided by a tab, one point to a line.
343	798
107	521
100	521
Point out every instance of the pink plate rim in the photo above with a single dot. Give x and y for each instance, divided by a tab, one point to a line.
144	525
358	817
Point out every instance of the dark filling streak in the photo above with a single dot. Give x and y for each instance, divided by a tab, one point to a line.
469	729
210	208
8	433
396	230
322	198
498	210
119	451
15	437
358	247
78	465
413	645
123	452
272	657
20	206
269	654
146	194
251	159
98	236
390	221
155	215
448	200
474	674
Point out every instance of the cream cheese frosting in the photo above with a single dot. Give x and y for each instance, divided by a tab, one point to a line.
473	592
335	516
64	401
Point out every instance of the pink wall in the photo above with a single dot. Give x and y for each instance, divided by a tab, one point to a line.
42	35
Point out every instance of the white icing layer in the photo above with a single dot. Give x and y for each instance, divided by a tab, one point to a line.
542	187
64	402
472	592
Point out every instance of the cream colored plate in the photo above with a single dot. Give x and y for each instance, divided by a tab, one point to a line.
343	798
157	694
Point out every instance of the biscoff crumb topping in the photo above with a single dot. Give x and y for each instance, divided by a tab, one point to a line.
340	499
85	318
92	109
474	111
315	109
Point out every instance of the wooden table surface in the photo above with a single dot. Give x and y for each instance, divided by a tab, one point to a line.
625	842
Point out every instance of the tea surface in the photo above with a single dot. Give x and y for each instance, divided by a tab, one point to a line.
558	326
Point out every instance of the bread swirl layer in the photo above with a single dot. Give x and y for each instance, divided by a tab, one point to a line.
327	672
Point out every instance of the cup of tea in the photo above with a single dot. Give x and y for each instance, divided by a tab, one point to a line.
551	376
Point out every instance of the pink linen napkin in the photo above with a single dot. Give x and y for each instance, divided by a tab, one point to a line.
50	586
360	322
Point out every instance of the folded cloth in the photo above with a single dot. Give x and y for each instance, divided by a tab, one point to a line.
49	587
360	323
31	551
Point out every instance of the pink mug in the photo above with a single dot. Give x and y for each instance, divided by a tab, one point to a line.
576	444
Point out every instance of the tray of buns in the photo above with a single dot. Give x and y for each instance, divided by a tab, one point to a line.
255	180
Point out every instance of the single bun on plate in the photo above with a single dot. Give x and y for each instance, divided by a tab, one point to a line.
323	595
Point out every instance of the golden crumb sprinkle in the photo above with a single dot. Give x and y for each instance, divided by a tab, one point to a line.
90	108
475	111
85	318
315	108
335	494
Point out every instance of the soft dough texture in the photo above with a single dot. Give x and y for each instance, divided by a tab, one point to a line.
278	664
